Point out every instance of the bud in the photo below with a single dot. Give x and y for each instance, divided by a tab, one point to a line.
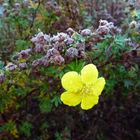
2	78
26	3
69	41
37	62
86	32
23	66
57	60
24	54
133	24
82	54
80	46
39	48
103	22
40	38
47	38
103	30
52	52
45	62
70	31
59	37
17	5
71	53
110	25
59	46
117	30
62	36
10	67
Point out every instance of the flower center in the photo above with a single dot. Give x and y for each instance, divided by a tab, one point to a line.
86	90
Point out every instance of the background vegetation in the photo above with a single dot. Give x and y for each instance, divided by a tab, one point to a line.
41	40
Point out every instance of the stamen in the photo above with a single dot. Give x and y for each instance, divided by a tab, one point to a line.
86	90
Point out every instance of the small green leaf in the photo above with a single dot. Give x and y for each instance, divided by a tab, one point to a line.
25	128
56	100
1	64
45	105
128	83
21	44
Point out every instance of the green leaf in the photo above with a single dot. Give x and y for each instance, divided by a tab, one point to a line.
45	125
9	126
76	65
1	64
78	38
56	100
25	128
45	105
128	83
21	44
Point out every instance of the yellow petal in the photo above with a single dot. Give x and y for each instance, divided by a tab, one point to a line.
88	101
71	99
89	74
71	81
98	86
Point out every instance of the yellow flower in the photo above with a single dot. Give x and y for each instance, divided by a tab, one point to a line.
84	88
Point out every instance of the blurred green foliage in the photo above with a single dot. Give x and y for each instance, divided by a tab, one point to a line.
30	106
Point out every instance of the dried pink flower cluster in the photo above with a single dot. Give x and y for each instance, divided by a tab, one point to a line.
106	27
62	47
